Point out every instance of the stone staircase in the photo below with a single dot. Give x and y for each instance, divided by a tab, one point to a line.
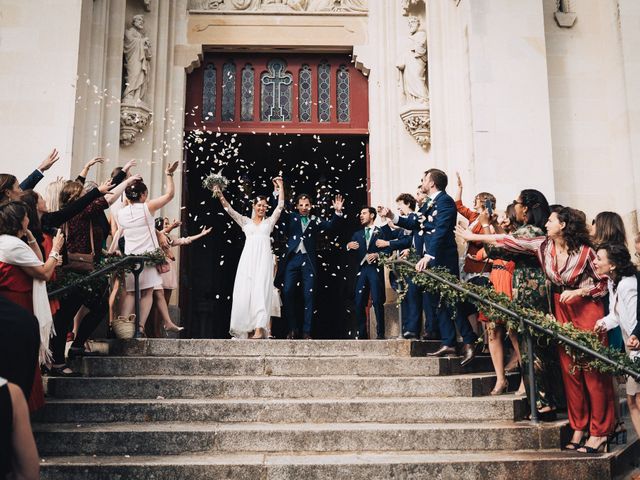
234	409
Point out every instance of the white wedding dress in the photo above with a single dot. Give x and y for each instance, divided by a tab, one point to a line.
253	288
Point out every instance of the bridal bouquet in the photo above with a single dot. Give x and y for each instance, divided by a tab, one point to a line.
215	179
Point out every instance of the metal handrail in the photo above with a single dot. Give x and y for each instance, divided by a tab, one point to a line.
531	324
137	262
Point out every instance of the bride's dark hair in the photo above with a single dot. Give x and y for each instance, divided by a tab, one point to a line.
259	198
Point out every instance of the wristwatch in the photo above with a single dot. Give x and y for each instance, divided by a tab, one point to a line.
55	255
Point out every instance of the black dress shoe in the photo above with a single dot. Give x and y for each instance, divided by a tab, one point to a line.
307	336
409	335
291	335
442	351
380	337
468	353
431	336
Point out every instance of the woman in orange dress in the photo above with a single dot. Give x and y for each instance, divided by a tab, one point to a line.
23	274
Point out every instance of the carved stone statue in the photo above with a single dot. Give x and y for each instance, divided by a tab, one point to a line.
413	67
137	55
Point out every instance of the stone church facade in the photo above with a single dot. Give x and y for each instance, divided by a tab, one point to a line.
528	94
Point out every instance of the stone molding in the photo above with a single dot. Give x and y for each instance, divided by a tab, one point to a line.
417	121
564	16
134	118
279	7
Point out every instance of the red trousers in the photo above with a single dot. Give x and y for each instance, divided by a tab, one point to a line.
589	393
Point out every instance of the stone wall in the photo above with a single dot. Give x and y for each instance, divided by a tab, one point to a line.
38	66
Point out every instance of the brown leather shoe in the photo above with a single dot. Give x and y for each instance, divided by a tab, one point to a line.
307	336
442	351
469	353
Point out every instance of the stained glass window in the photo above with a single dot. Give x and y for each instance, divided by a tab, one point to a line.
275	92
342	94
209	93
228	92
324	92
304	94
246	105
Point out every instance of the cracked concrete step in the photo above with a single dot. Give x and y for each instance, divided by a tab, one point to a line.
277	366
252	348
348	386
179	438
338	466
388	410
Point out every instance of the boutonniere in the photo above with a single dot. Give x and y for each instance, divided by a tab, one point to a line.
429	203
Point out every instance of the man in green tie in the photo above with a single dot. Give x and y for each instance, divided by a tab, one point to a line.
370	278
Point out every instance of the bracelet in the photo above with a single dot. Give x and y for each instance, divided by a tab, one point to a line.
168	174
485	225
31	242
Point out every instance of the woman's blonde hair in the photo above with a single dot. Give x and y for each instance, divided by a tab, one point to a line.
52	194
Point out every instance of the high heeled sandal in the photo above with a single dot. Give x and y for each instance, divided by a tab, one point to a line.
172	328
575	445
603	447
501	390
619	435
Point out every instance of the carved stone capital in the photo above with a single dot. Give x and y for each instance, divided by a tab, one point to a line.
565	19
134	118
417	120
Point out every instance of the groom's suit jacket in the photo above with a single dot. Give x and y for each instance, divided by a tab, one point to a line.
309	235
437	221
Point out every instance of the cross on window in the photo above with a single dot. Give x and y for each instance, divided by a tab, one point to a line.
274	80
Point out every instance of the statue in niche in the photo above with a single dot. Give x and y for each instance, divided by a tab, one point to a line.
413	67
407	4
137	55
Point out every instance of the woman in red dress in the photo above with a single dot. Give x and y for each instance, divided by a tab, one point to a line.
566	257
22	276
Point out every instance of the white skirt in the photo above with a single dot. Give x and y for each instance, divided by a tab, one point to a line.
149	278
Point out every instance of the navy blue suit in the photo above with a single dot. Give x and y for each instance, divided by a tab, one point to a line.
415	300
32	180
370	279
437	221
301	267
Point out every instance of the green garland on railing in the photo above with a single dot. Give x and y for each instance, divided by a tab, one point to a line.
66	278
452	296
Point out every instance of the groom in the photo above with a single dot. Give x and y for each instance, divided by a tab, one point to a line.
300	265
437	222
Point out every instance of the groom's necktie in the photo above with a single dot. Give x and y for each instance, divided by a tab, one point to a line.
367	234
305	222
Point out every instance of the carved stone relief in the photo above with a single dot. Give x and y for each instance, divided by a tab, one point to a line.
134	112
415	111
281	6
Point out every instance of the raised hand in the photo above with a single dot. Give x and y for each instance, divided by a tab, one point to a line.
105	186
48	162
58	242
205	231
93	161
353	245
338	203
463	233
385	212
134	178
459	180
173	225
130	164
171	168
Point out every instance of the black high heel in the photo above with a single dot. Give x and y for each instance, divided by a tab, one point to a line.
603	447
619	435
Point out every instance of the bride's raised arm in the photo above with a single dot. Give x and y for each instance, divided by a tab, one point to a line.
239	219
278	183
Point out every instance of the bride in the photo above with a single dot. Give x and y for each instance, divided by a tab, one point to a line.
253	288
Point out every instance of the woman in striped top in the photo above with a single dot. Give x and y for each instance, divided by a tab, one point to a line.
566	257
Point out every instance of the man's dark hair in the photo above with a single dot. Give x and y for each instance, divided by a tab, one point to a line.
372	210
407	199
302	196
439	178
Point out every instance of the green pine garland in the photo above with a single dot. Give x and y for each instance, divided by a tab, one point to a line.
452	296
89	286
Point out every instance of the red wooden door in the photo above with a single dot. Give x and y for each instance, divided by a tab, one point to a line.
266	92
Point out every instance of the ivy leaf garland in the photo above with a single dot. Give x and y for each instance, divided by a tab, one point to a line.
91	285
452	296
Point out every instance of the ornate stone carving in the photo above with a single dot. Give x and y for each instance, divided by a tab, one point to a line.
282	6
415	112
564	16
409	4
133	120
137	57
417	120
134	112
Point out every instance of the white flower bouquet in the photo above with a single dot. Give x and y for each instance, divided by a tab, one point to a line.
215	180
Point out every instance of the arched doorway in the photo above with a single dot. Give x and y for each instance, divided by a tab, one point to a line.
256	116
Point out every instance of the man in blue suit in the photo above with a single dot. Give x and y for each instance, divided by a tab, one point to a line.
415	299
302	231
437	221
370	277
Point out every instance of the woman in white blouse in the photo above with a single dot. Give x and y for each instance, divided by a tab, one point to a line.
614	261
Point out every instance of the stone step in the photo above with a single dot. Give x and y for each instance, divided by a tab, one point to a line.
277	366
282	348
362	465
387	410
190	438
347	386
